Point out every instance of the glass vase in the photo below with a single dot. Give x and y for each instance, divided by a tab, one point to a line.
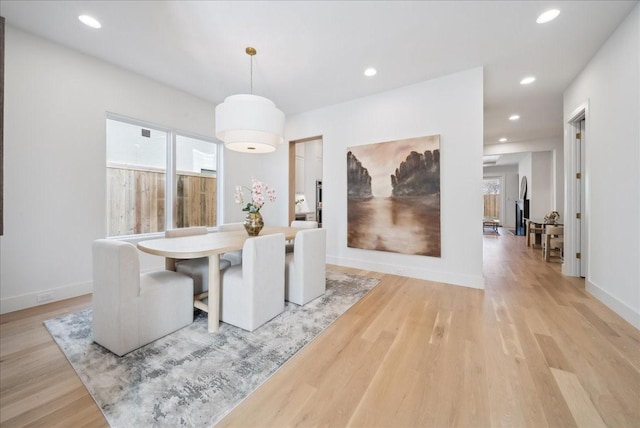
253	223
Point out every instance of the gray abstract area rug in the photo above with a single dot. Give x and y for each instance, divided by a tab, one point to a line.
193	378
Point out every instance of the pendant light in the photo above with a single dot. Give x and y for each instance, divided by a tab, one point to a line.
249	123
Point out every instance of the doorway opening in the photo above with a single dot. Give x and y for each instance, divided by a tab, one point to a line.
305	179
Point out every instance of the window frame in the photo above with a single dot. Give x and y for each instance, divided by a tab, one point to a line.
171	182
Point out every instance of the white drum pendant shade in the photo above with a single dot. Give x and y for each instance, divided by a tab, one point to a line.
249	123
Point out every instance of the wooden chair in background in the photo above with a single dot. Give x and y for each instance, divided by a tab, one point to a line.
535	231
553	242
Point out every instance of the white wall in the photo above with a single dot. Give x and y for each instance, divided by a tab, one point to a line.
270	168
557	182
55	128
524	170
512	190
539	169
609	88
437	106
541	184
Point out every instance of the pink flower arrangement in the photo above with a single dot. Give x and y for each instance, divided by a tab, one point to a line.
258	191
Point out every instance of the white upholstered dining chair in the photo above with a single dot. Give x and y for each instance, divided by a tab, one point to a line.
132	309
252	293
300	224
304	224
198	269
305	277
233	257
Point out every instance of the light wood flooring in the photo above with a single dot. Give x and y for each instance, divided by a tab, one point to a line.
532	349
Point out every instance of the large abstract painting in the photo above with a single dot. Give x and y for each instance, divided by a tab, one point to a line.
393	191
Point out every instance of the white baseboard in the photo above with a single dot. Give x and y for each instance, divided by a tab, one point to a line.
30	300
629	314
471	281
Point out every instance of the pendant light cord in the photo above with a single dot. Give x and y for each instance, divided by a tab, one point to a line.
251	52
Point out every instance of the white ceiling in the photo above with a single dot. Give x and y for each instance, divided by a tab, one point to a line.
313	53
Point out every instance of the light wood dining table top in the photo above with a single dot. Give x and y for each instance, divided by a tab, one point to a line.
190	247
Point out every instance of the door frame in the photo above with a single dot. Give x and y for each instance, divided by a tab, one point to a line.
574	241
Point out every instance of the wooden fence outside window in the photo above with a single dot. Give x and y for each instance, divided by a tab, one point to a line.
492	205
136	198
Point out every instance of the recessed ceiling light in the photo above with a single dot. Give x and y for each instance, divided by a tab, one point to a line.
89	21
514	117
369	72
527	80
503	140
547	16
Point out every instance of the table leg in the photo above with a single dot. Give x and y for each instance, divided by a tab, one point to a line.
545	249
170	263
214	293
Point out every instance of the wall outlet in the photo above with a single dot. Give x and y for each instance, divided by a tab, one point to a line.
44	297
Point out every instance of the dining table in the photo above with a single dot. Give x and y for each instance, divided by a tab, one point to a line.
210	245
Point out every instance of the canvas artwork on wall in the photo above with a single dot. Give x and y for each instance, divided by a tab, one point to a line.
393	191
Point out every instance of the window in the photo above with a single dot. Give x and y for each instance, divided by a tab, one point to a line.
491	192
196	166
140	169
